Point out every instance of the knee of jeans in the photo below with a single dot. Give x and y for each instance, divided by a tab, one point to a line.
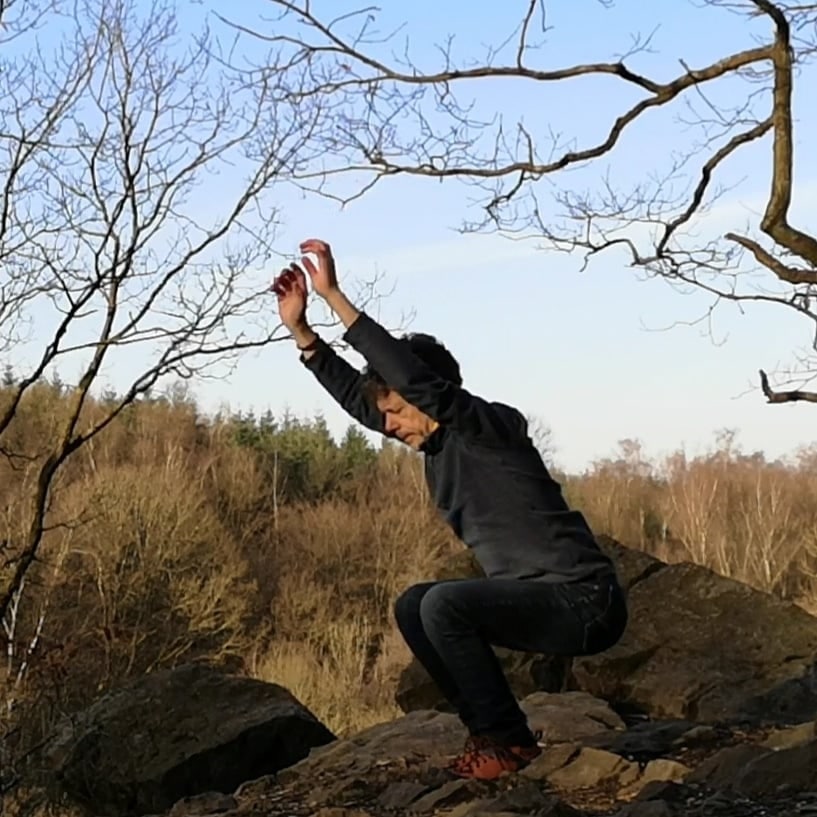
407	605
437	604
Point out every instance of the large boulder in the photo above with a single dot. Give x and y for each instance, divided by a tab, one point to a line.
704	647
179	733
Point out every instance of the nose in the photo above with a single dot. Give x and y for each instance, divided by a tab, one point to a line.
391	423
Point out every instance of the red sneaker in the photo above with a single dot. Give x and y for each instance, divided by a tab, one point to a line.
485	759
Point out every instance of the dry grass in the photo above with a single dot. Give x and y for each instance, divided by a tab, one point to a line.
335	677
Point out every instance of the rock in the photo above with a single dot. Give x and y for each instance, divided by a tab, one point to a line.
526	799
432	736
724	767
26	801
680	799
176	734
402	794
260	789
649	808
706	648
655	739
571	766
632	565
789	738
338	790
446	796
783	770
662	771
703	733
340	812
395	769
569	716
755	770
203	804
667	792
551	759
590	767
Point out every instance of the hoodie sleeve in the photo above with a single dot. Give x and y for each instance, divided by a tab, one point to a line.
343	382
450	405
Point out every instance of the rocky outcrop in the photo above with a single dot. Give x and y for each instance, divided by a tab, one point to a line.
592	764
178	733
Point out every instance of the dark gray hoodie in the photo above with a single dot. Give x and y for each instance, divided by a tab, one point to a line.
483	471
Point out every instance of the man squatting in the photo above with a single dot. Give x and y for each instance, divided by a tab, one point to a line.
548	587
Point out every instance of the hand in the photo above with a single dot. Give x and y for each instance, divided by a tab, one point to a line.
290	287
323	276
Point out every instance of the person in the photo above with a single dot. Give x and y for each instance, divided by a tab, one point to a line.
548	588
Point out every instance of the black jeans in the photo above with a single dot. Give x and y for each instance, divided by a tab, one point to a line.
451	625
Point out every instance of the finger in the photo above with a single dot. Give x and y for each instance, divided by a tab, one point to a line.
301	278
315	245
310	266
283	283
296	276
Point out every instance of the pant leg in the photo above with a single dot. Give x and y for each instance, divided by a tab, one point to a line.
462	620
407	615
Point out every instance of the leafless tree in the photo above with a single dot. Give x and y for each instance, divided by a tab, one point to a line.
386	116
135	222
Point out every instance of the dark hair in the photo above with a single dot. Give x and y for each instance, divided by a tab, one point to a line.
430	351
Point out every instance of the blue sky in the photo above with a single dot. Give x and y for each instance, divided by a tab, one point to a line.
589	353
592	354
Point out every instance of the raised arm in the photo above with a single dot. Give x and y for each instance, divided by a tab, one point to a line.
446	402
337	376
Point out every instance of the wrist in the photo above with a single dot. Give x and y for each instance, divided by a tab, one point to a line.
303	335
331	295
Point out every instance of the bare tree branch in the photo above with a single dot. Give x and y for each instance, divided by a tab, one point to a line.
790	396
113	237
383	115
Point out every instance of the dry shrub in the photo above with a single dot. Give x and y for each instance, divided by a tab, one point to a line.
340	565
143	577
340	557
330	675
334	675
738	514
743	517
621	497
151	579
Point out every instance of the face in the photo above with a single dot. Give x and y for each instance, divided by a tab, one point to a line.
404	421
